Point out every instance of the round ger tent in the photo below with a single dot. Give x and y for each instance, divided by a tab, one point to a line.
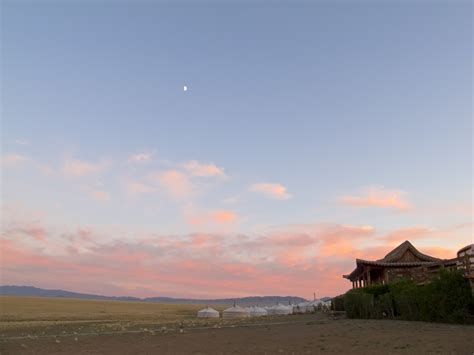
308	307
304	307
208	313
257	312
317	304
327	303
235	312
299	308
279	309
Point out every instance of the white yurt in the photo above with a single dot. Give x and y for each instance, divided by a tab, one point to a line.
279	309
318	303
257	311
208	312
307	307
289	308
236	312
269	309
301	307
297	308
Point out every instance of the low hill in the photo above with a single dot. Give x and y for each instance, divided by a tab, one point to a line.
31	291
40	292
243	301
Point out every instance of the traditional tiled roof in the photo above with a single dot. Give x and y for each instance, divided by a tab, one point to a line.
398	252
394	259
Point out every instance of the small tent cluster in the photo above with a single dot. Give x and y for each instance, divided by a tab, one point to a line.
307	307
279	309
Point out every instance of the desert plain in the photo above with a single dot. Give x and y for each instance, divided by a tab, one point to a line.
31	325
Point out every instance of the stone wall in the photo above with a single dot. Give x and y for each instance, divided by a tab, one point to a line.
417	274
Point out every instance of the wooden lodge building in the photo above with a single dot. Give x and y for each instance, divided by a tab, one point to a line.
405	261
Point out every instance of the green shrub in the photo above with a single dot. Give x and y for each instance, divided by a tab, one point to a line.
405	299
385	306
451	294
375	290
447	298
337	303
358	304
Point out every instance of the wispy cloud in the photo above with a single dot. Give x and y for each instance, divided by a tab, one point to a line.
196	168
201	264
207	219
143	157
21	142
100	195
10	160
412	233
79	168
271	190
32	229
176	183
378	197
137	188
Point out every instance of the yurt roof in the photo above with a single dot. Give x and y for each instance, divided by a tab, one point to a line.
235	309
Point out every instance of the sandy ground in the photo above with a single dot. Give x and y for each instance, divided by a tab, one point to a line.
297	334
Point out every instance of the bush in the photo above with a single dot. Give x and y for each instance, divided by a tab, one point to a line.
337	303
451	293
385	306
447	298
405	296
376	290
359	304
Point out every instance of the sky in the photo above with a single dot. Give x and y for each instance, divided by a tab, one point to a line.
309	135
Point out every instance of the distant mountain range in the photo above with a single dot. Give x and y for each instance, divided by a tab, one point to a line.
244	301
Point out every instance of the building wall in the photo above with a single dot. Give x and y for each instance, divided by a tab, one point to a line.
417	274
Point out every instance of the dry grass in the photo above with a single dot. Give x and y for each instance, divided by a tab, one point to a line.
24	309
40	316
68	326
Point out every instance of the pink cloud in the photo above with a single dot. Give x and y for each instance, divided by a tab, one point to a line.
439	252
416	233
79	168
99	195
379	197
136	188
299	260
403	234
272	190
10	160
214	217
175	182
33	229
196	168
343	240
224	216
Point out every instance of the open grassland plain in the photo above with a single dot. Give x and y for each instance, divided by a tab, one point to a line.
68	326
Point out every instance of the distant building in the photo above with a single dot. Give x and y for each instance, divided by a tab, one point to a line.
465	262
405	261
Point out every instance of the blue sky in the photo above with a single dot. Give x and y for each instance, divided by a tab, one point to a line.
343	105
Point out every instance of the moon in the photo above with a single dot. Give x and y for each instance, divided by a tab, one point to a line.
185	88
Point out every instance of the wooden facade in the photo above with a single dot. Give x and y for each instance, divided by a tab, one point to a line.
465	262
405	261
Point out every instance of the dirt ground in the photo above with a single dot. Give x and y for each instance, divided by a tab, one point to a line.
296	334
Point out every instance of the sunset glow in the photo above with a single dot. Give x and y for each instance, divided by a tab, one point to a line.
300	144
